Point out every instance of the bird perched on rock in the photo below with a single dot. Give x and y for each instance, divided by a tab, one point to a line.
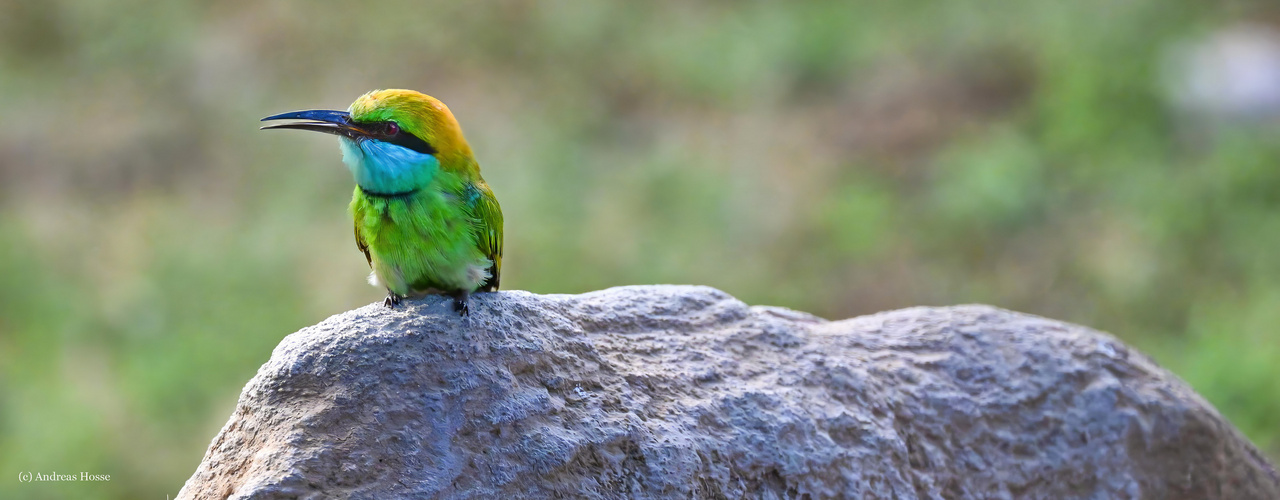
424	218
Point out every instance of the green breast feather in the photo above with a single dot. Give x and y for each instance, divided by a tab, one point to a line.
443	238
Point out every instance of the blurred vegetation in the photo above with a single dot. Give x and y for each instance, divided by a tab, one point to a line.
839	157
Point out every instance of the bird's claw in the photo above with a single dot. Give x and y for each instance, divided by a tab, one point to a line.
460	304
392	300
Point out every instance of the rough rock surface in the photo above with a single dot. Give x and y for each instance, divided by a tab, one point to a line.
686	392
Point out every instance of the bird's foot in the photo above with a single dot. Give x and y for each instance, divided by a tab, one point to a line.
392	300
460	303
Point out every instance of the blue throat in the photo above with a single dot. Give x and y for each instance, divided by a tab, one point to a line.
385	169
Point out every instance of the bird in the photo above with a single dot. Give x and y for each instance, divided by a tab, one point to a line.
424	218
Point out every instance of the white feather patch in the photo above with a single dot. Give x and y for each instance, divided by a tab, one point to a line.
478	274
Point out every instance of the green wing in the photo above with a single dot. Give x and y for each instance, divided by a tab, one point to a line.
484	207
364	247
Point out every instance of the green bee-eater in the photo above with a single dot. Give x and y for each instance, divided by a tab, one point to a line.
425	219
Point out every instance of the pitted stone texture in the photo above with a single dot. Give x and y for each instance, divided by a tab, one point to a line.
686	392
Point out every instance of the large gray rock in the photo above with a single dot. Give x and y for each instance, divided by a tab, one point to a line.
685	392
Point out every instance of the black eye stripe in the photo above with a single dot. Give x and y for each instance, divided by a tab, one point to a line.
402	138
407	140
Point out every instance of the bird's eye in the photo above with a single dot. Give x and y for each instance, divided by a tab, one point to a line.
392	128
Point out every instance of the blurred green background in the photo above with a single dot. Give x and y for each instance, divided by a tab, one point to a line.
1066	159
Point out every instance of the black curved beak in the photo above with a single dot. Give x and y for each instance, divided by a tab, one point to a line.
321	120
